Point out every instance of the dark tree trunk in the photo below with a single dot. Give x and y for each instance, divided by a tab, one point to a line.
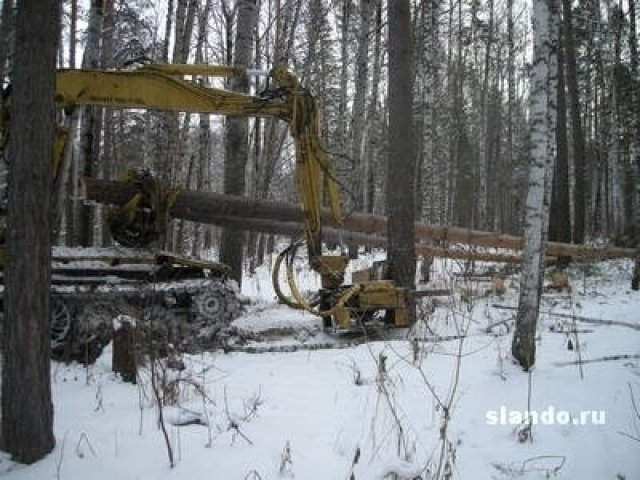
576	126
6	34
560	220
27	410
124	360
635	71
236	141
73	33
400	196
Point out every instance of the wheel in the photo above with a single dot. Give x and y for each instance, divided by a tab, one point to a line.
209	305
216	305
60	322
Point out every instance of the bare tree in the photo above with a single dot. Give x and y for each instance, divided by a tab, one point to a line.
542	111
358	110
560	218
576	126
635	71
27	426
236	141
400	197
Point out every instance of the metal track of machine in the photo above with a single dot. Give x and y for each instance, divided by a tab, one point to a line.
177	303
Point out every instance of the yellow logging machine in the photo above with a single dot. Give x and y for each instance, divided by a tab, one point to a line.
167	88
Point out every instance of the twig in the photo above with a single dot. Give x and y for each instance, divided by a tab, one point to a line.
637	414
446	447
59	465
233	425
523	468
86	439
633	401
286	464
526	431
163	427
578	346
501	322
599	359
628	435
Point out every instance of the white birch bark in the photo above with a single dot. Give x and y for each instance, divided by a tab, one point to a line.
540	171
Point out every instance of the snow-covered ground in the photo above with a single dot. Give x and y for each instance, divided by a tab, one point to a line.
367	411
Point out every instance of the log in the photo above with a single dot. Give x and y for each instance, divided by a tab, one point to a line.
570	316
608	358
209	207
292	229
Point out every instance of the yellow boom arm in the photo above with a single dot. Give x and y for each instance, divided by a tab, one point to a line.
163	87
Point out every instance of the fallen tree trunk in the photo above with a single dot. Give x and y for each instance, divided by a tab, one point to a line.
570	316
293	229
608	358
208	207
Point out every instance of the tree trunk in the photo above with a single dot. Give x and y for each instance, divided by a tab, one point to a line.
107	150
6	36
511	120
540	170
6	47
73	33
374	122
27	409
89	128
341	128
560	219
236	140
358	111
577	134
204	126
635	72
400	196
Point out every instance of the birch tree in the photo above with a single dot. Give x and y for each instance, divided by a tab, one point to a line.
540	172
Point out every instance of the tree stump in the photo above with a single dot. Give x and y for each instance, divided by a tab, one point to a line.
124	359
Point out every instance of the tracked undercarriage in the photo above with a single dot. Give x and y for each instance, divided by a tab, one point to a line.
174	302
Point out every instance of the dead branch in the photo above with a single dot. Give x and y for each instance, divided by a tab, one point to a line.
596	360
595	321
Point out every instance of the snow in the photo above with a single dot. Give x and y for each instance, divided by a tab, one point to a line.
333	413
